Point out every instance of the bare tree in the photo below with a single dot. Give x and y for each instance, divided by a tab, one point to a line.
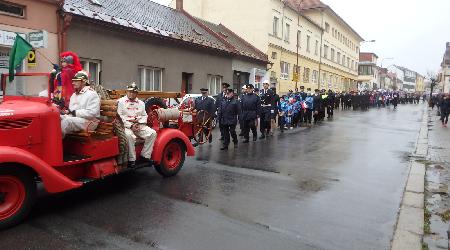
432	76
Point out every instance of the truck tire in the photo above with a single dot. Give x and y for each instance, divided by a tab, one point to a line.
17	195
173	157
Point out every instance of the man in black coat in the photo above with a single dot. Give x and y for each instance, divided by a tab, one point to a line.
227	115
317	105
266	96
330	103
205	103
219	98
250	112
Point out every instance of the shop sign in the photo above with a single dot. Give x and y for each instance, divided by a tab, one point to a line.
7	38
31	58
38	39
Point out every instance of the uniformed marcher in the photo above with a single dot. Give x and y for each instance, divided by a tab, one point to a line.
134	117
267	96
227	114
250	112
207	104
84	108
219	98
317	105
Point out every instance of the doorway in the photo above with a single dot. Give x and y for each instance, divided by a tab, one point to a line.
239	80
186	82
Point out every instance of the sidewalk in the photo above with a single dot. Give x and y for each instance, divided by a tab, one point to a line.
408	233
437	201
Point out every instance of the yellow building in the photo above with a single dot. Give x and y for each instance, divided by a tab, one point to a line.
290	31
420	83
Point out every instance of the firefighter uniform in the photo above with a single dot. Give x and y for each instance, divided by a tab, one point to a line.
132	113
84	110
250	111
266	96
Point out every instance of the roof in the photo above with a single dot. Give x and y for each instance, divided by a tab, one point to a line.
295	6
241	46
366	56
150	17
306	5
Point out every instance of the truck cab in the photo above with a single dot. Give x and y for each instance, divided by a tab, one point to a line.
32	149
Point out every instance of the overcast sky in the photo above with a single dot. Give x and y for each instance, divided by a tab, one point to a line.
413	32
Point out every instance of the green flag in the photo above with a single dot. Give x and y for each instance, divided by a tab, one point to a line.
18	52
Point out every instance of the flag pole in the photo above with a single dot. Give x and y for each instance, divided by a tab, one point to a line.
44	56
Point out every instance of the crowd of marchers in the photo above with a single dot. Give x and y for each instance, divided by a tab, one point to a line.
442	102
265	109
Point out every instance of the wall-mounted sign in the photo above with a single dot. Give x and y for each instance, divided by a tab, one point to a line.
38	39
31	58
7	38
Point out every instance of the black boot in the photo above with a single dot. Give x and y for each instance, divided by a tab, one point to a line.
261	137
224	147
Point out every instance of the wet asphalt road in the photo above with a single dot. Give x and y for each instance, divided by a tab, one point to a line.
335	186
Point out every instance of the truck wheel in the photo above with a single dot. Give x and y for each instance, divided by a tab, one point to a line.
17	195
172	160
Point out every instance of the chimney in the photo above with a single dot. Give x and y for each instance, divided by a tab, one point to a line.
179	4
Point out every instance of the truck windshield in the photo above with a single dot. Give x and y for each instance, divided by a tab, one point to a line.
33	86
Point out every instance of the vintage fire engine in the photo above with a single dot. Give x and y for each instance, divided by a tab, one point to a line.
32	149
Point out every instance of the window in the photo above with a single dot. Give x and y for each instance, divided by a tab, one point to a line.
343	60
348	62
324	76
214	84
287	33
338	59
275	26
357	49
353	63
274	55
316	49
284	70
92	67
299	38
150	79
327	27
11	9
314	76
332	54
365	70
308	39
325	51
306	75
356	65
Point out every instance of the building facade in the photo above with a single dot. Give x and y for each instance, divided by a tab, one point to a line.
159	48
27	17
444	72
368	78
306	41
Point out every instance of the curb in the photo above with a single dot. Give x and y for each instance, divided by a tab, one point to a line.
408	232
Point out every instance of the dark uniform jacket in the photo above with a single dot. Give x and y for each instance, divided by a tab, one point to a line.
207	104
228	111
445	106
267	96
250	107
317	102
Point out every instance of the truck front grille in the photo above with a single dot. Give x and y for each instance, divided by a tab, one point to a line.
14	124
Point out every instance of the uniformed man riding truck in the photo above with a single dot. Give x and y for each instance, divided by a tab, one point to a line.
84	108
134	117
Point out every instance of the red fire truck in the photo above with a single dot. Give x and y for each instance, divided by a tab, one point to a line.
33	151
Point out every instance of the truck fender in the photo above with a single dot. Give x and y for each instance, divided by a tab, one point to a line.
54	181
164	137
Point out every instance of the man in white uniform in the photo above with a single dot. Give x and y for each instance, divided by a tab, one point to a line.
84	108
132	112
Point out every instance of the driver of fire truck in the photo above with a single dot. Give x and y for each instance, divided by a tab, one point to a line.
84	108
132	112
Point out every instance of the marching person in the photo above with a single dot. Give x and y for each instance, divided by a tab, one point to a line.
267	96
134	117
219	98
205	103
227	114
274	116
250	111
84	108
445	109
